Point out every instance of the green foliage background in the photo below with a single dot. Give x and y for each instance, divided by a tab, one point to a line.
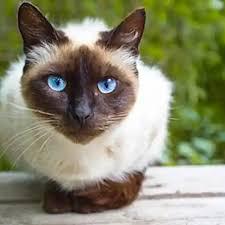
186	38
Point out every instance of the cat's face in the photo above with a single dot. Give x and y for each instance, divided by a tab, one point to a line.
83	88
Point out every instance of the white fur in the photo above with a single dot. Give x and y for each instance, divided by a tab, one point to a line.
136	142
42	54
86	32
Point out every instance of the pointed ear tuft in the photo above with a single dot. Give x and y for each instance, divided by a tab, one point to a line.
128	33
34	27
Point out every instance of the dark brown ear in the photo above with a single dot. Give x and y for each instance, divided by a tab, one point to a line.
34	27
128	33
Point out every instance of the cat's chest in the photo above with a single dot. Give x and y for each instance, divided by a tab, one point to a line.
69	163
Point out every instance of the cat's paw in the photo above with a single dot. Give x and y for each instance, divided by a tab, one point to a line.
56	201
94	199
86	205
109	195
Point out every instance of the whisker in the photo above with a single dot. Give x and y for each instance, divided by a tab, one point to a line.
42	147
20	115
19	136
30	109
14	117
16	114
27	140
35	125
27	149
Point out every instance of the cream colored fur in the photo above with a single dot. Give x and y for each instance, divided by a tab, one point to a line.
130	147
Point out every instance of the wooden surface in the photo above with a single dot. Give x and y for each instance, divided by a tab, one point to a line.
170	196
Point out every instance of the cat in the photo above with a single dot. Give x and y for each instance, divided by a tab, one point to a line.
81	109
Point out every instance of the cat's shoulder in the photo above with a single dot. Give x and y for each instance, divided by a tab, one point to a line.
152	78
155	90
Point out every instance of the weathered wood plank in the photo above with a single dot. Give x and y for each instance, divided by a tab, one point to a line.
189	211
19	187
185	181
170	196
161	183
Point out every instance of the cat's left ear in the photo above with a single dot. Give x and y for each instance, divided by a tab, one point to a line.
34	27
128	33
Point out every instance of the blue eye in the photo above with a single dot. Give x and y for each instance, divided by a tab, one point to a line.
107	85
56	83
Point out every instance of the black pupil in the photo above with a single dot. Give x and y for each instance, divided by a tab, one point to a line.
57	81
107	83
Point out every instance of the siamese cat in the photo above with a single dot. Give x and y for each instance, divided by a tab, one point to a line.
82	110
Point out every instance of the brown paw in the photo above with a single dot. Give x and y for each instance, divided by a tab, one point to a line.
92	200
110	195
55	200
85	206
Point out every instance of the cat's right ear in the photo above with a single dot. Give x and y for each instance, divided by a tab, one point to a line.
34	27
128	33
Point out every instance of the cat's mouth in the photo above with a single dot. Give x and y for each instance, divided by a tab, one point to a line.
81	135
81	132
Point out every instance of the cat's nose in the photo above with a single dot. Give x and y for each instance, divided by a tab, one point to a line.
82	116
81	113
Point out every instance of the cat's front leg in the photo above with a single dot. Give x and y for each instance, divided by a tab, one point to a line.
56	201
107	195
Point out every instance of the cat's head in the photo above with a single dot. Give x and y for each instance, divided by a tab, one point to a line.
85	88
